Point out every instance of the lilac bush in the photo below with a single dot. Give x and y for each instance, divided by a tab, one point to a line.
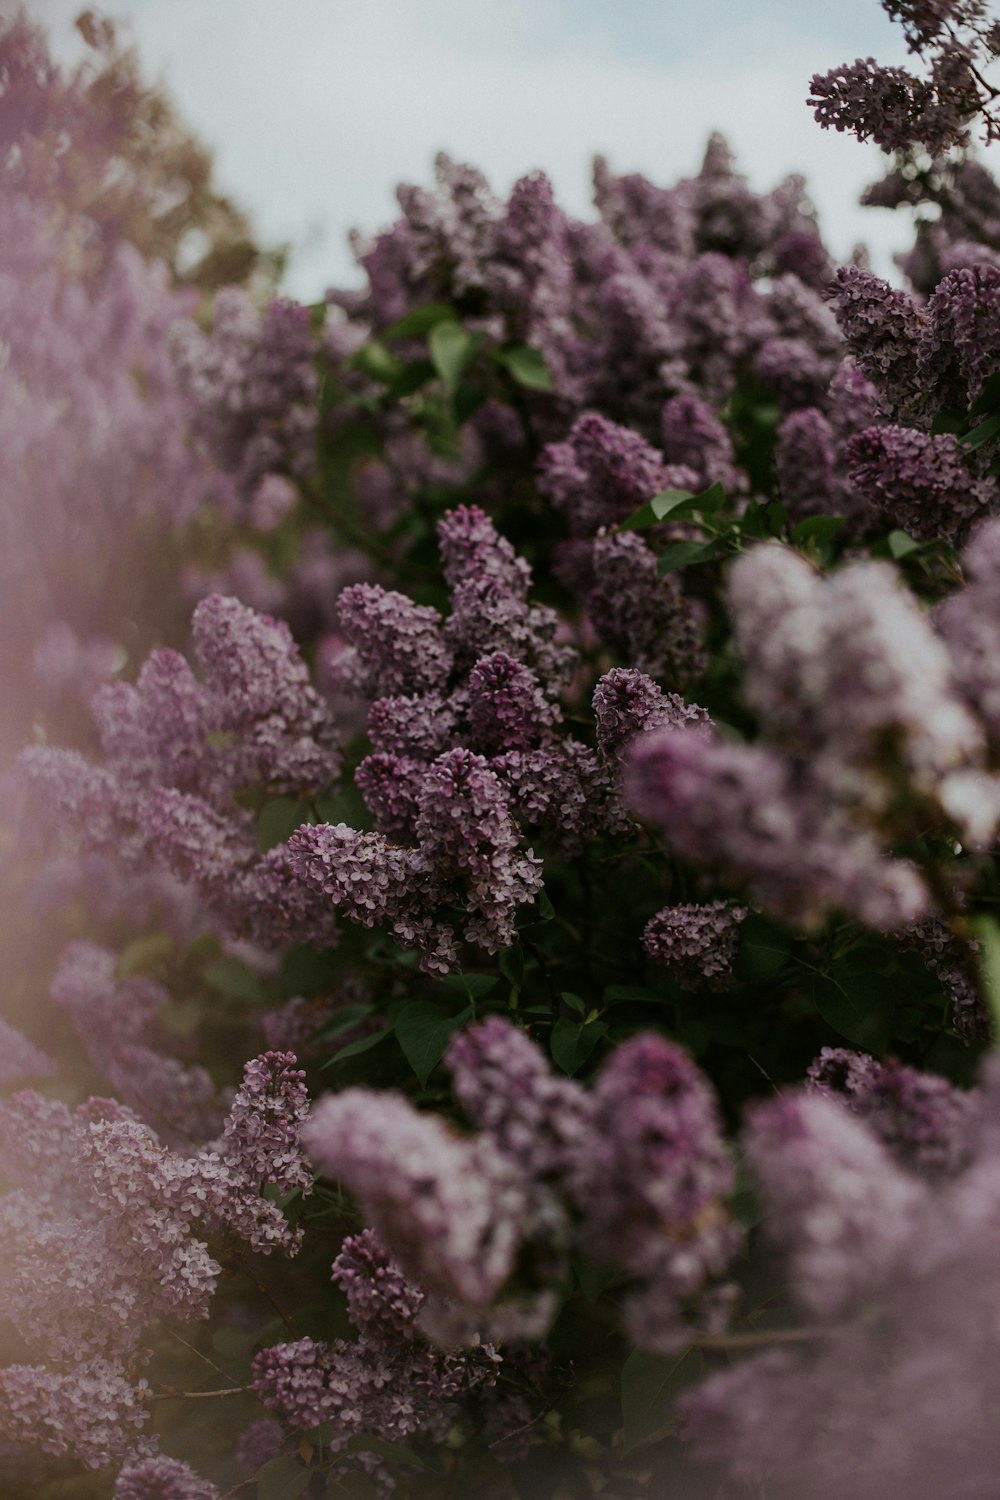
500	837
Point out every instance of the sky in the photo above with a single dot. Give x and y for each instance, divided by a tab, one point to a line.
316	109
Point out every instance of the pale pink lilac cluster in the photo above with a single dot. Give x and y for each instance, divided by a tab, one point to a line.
178	752
895	1274
635	1172
389	1384
857	699
115	1022
102	1237
162	1479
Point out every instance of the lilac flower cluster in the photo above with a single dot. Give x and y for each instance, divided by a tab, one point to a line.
639	1163
697	944
178	754
900	110
101	1238
865	731
389	1384
465	734
162	1479
252	383
895	1272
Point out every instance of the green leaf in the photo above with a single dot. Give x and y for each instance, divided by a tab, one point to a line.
949	421
656	509
423	1031
420	320
857	1003
511	965
452	349
363	1044
649	1384
988	933
473	986
379	363
230	976
278	820
900	545
572	1042
526	365
818	529
763	949
396	1453
984	433
574	1002
988	398
281	1479
631	994
683	554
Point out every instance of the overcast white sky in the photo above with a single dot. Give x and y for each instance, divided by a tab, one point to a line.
317	108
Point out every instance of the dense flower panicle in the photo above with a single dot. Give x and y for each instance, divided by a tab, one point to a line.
862	1404
841	668
258	1444
421	725
379	1297
923	1119
969	621
882	327
628	702
955	963
563	789
696	943
449	1210
737	806
390	785
20	1058
262	694
264	1123
960	347
252	382
162	1479
842	1215
644	617
507	709
887	105
693	435
809	476
922	483
464	826
114	1019
602	473
389	1388
489	600
95	1412
397	644
508	1090
650	1182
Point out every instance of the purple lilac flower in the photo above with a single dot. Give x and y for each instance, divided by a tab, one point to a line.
162	1479
95	1412
397	644
882	327
508	1090
697	944
602	473
922	483
627	702
646	618
650	1182
113	1019
450	1211
20	1058
925	1121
